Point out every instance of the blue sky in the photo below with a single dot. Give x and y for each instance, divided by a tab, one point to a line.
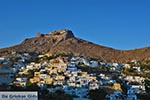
120	24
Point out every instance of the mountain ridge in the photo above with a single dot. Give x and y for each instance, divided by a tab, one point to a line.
64	41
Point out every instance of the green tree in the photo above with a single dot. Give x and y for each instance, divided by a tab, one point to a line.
143	96
147	86
32	87
59	95
30	73
98	94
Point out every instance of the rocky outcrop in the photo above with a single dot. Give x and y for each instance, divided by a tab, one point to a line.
39	34
64	34
59	36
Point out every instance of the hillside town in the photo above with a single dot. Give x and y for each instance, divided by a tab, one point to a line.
77	78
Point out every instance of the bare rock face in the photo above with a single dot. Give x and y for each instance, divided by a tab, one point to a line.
64	34
61	35
39	34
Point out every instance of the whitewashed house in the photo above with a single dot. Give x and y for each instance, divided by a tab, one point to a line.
94	63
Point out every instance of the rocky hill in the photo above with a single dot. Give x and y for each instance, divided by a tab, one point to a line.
64	42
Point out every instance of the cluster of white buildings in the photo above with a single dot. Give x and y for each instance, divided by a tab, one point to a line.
65	75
